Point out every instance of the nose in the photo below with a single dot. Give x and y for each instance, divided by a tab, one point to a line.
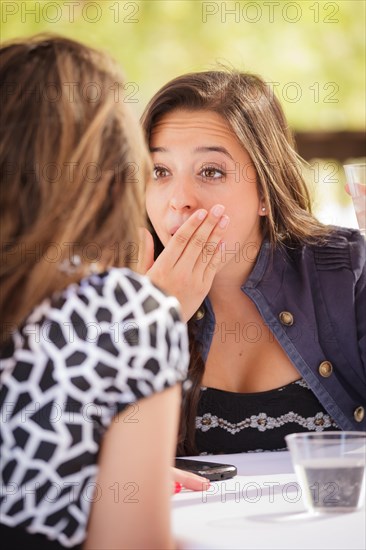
184	196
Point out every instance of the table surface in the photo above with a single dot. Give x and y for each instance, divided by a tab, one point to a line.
260	508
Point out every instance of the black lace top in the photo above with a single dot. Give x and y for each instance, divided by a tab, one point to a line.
229	422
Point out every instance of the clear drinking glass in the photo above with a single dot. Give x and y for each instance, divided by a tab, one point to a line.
356	179
330	467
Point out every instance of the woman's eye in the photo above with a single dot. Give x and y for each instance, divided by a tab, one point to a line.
211	172
159	172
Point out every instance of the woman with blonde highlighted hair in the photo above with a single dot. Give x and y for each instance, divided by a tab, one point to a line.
272	297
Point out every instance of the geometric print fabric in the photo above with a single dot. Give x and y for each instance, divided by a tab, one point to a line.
80	358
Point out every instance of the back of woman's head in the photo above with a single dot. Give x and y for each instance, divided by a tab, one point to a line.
248	104
73	166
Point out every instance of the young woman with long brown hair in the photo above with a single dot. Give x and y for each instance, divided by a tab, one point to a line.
272	297
91	353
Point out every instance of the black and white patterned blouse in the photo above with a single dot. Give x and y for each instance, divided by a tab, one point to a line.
79	359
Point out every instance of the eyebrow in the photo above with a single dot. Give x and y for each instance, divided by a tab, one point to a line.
158	150
214	148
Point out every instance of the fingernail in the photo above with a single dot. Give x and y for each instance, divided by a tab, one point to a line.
201	214
224	221
218	210
177	487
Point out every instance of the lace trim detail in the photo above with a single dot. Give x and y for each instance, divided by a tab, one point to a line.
303	383
262	422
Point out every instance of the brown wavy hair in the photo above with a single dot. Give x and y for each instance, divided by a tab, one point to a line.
73	164
256	118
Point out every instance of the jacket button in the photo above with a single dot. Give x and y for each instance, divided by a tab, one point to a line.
200	313
286	318
325	369
359	414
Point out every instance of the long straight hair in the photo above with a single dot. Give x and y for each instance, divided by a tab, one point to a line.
256	118
73	164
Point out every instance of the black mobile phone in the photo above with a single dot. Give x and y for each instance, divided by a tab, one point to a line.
210	470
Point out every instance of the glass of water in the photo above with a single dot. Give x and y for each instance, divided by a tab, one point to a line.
356	180
330	467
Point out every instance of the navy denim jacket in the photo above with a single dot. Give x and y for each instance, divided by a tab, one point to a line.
313	298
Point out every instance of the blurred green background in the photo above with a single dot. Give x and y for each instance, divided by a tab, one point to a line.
313	53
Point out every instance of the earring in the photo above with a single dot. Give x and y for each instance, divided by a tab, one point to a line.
74	264
263	208
70	265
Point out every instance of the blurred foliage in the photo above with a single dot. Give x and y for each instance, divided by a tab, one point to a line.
312	51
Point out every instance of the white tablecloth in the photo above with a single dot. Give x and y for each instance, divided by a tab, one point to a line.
261	508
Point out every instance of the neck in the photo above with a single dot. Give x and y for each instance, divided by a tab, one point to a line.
233	275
